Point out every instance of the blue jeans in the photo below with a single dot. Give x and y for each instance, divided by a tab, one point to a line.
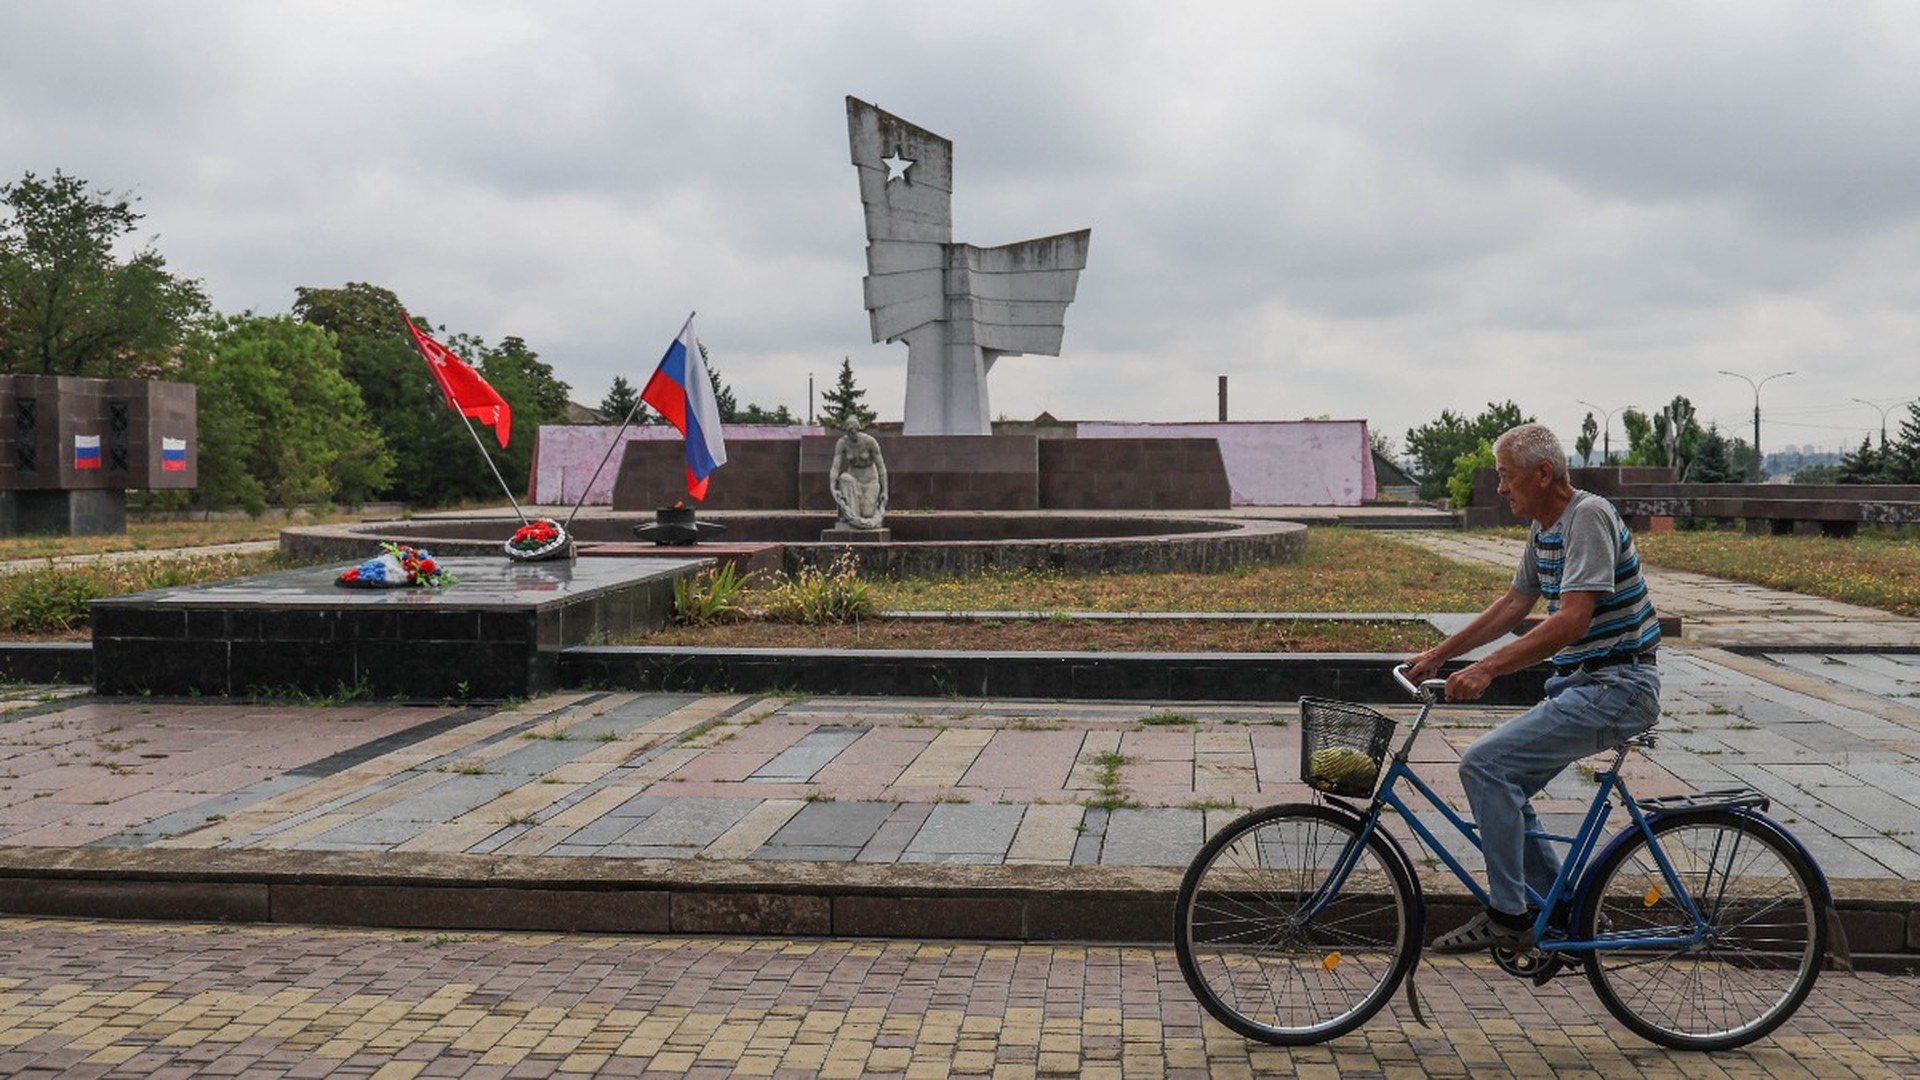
1584	713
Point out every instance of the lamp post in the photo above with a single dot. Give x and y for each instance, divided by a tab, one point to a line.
1606	429
1756	412
1884	409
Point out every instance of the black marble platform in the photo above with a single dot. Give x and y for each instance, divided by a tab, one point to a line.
497	633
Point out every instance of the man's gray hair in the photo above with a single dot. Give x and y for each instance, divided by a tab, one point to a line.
1530	444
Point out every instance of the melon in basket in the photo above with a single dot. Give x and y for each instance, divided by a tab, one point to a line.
1342	765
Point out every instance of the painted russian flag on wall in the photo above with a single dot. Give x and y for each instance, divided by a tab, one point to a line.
86	451
683	392
173	455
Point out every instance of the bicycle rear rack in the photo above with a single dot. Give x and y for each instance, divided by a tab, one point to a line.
1742	798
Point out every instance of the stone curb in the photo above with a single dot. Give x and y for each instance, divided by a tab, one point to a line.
1131	905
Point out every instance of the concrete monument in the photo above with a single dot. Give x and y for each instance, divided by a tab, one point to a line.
958	307
76	446
858	476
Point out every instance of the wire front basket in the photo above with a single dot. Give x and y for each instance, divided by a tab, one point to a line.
1342	746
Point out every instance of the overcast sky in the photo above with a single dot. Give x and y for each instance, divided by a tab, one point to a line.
1362	210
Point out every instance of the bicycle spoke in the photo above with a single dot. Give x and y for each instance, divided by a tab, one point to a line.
1748	961
1268	943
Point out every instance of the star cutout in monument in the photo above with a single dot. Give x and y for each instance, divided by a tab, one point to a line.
897	166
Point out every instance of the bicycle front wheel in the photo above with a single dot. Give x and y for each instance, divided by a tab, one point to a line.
1276	953
1738	976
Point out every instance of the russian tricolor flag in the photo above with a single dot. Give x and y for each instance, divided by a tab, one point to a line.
86	451
173	455
683	392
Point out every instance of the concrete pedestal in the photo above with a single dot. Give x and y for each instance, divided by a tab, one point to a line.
497	633
842	535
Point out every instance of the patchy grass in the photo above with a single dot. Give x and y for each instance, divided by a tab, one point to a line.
1073	635
1877	570
1341	570
50	602
162	535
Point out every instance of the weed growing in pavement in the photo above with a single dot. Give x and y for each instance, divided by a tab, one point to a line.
343	694
1112	796
1168	719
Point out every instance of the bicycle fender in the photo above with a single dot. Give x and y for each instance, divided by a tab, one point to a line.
1359	820
1629	835
1419	898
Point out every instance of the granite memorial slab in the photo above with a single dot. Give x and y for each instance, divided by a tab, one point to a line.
497	633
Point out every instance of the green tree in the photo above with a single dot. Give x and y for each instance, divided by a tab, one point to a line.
619	401
68	305
436	459
1436	446
754	414
723	401
844	400
1678	434
1902	455
1712	464
1818	474
1589	434
1460	483
1868	465
279	423
1643	445
534	394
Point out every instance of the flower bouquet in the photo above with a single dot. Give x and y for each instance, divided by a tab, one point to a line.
398	566
542	538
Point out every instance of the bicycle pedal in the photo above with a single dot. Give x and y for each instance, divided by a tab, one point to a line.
1547	970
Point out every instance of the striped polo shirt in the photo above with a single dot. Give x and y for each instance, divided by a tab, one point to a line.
1590	550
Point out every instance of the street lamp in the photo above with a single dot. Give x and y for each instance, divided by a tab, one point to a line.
1606	429
1884	409
1756	412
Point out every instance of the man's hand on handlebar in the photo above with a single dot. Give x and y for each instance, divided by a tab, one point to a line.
1424	666
1467	684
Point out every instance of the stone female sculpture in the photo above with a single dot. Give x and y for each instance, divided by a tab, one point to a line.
859	478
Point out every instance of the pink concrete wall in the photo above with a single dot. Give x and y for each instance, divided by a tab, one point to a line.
567	455
1277	462
1269	462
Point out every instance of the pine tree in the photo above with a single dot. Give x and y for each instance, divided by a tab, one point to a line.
1867	465
1711	463
844	400
619	401
1900	460
723	400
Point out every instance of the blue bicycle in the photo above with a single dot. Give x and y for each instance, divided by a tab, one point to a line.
1702	923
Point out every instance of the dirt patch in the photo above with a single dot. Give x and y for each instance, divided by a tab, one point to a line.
1062	634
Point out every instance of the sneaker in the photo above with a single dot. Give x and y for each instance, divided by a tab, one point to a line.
1481	932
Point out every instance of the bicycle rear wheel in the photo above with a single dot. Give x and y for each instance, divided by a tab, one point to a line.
1765	916
1257	952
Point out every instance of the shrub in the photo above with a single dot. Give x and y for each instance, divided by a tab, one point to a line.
1460	483
49	600
711	595
819	596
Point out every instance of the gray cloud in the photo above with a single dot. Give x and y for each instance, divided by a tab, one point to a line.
1358	210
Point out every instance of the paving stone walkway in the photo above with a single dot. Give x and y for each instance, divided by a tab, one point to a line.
88	999
1716	612
1834	740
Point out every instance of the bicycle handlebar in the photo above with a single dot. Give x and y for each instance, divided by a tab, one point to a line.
1430	688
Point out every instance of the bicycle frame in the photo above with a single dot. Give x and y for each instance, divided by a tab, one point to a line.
1581	847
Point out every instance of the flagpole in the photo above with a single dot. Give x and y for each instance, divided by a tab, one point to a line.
496	469
608	456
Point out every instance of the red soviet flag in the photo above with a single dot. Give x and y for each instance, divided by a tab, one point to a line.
466	391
